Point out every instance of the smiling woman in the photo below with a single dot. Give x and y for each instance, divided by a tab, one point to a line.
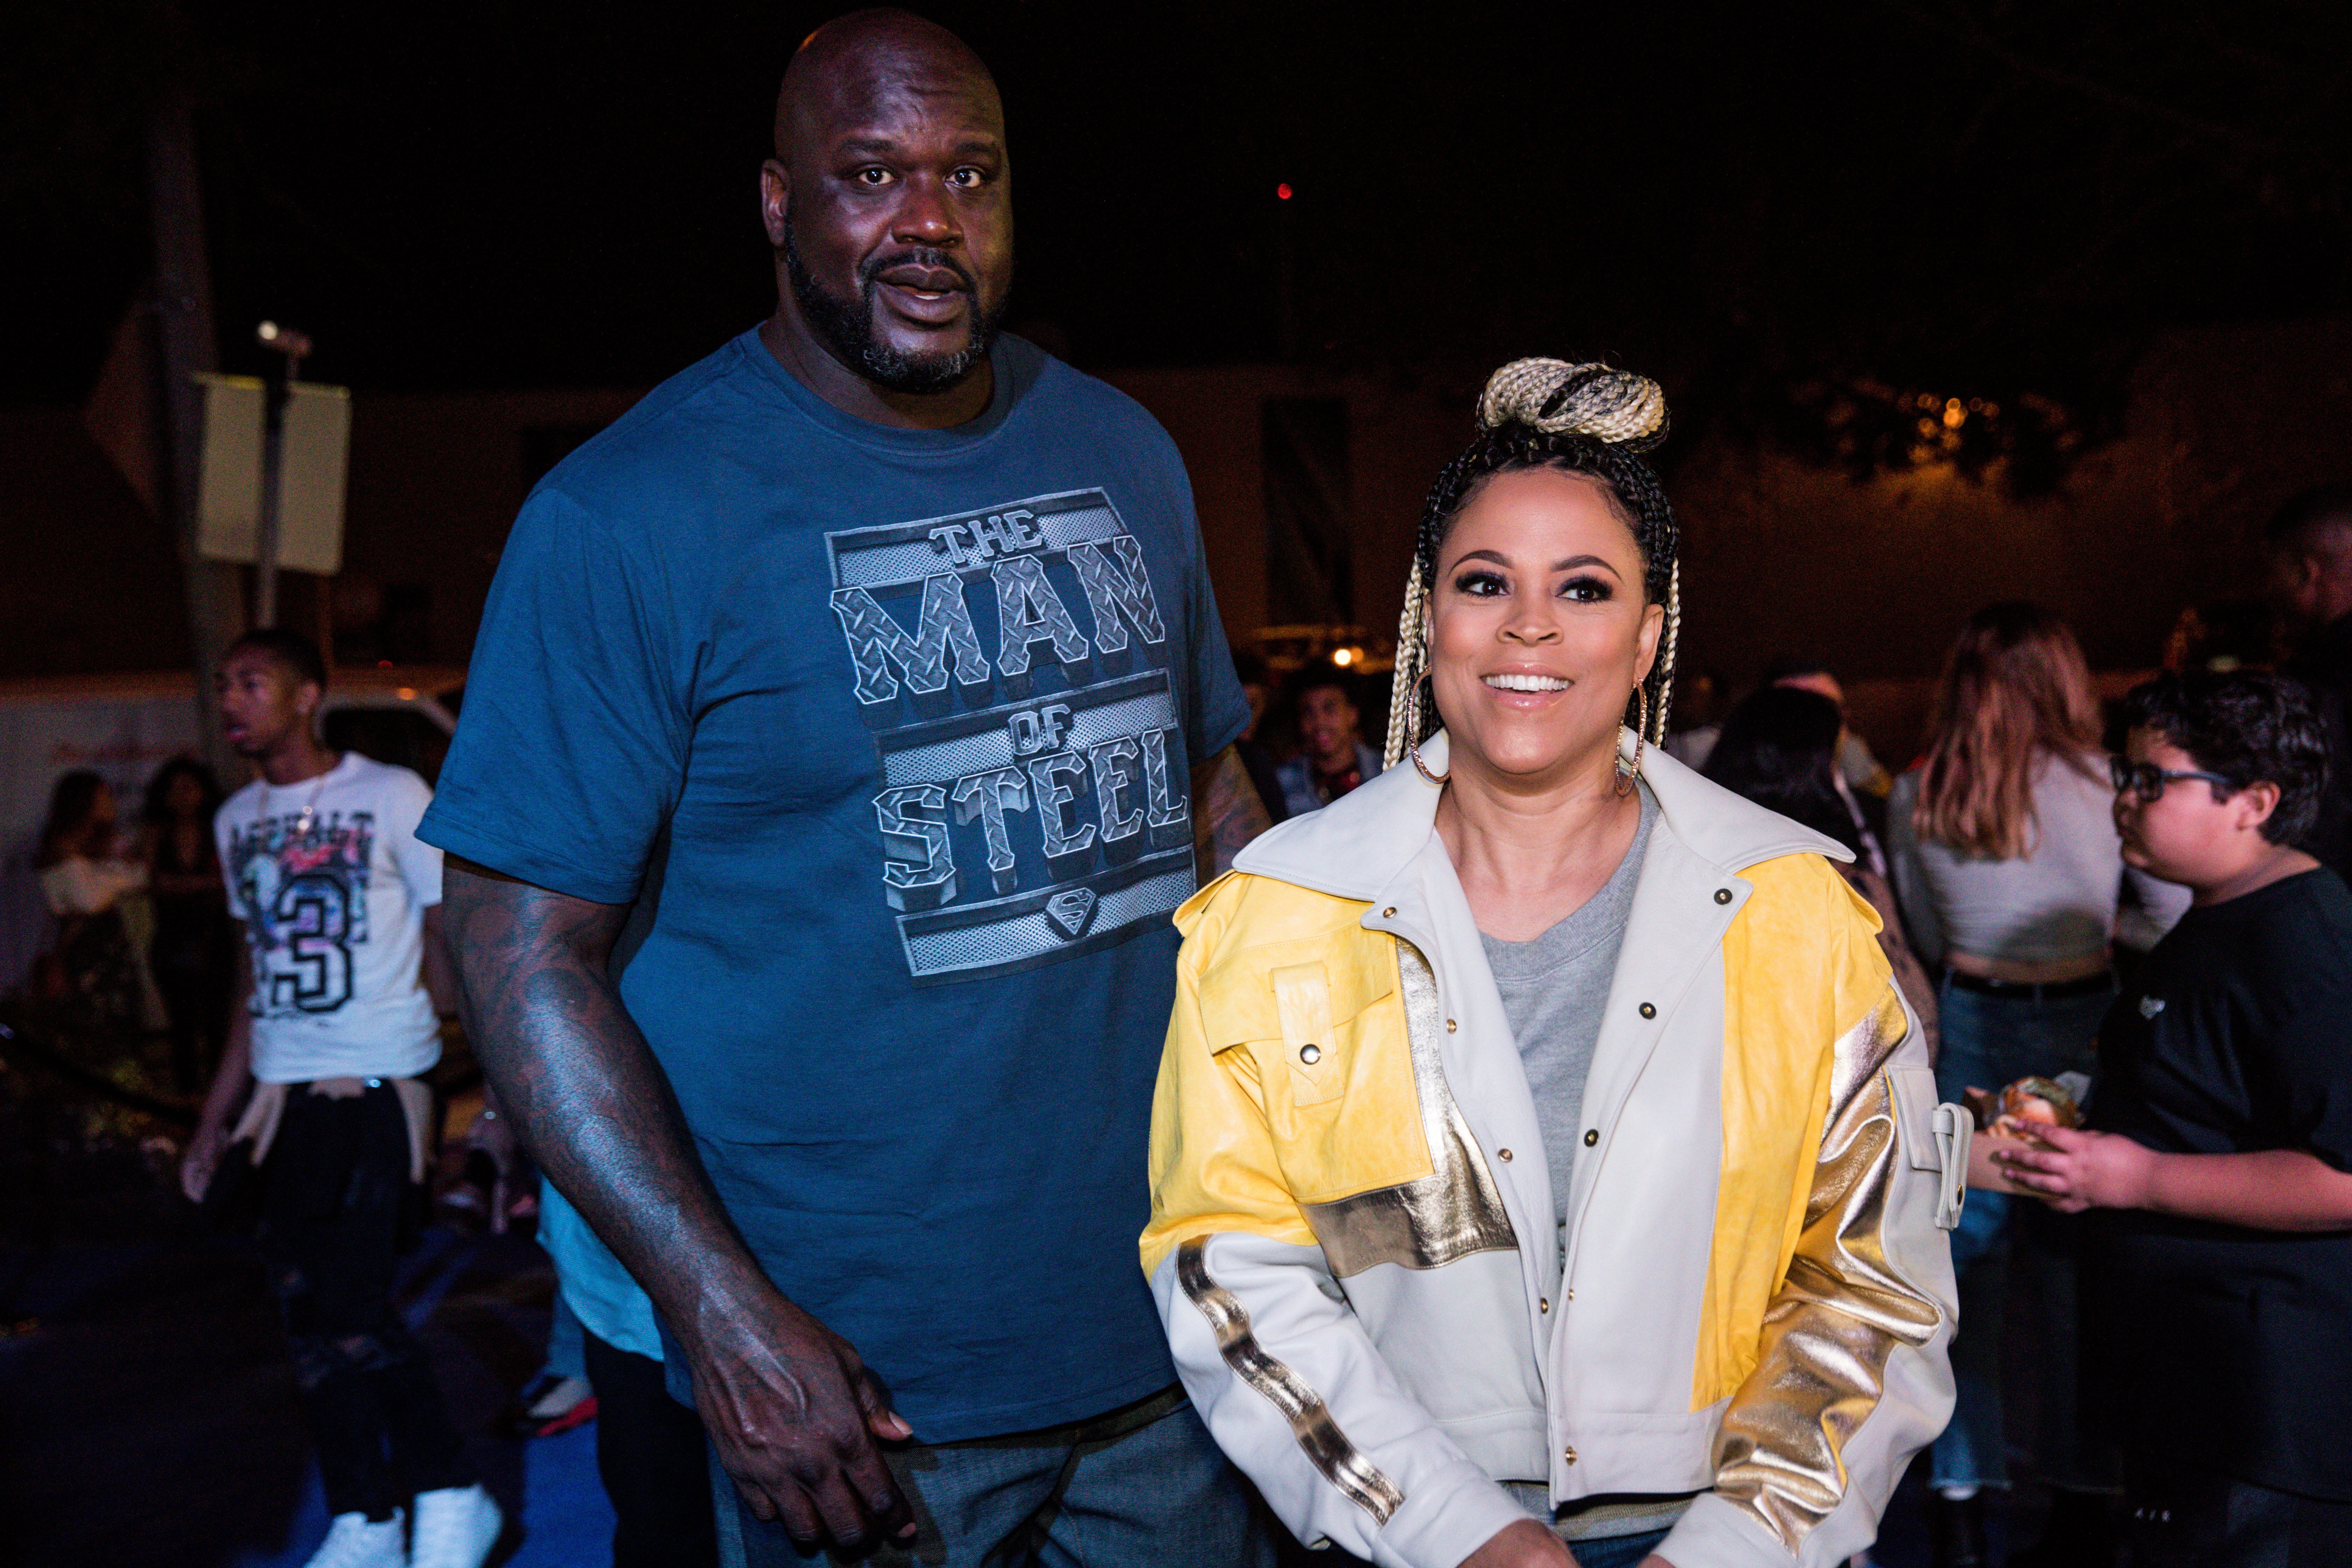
1542	1155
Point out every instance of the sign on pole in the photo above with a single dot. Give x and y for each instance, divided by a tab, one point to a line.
310	484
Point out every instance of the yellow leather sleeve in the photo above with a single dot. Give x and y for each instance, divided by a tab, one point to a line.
1213	1163
1812	997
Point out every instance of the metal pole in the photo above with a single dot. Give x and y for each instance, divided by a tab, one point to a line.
293	346
185	311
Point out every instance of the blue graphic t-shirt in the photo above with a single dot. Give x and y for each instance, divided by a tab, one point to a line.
888	733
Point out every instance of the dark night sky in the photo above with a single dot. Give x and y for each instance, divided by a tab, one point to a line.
1974	193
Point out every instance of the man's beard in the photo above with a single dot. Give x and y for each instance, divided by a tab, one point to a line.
846	327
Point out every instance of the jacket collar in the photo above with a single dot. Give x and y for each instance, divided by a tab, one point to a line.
1357	846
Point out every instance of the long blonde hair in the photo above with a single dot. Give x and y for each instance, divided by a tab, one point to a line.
2015	689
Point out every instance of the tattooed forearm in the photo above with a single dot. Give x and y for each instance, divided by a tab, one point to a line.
1226	812
585	1091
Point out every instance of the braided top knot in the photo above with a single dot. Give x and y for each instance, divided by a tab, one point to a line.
1613	406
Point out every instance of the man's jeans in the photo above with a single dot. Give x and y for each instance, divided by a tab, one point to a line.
1140	1486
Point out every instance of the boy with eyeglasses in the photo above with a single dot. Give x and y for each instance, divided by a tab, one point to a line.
2220	1137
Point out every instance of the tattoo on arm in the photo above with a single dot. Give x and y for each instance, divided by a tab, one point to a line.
585	1093
1226	812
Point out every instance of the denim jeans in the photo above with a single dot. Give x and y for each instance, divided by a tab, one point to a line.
1141	1487
1988	1042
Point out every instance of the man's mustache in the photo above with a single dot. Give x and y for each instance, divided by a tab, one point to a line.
869	274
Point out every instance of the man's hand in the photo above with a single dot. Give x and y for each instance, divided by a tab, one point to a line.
792	1410
232	1081
1526	1544
794	1413
2082	1170
202	1158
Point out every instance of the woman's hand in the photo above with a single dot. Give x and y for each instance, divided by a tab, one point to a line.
2082	1170
1526	1544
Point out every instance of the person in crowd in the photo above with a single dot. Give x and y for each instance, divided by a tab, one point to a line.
322	1098
1540	1162
2223	635
1858	770
2309	544
194	953
650	1451
1780	748
845	723
1332	757
93	969
2220	1139
2009	870
1265	772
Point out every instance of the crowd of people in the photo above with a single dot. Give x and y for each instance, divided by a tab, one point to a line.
1548	1138
142	937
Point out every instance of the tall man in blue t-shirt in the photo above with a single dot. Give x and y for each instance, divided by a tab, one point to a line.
819	806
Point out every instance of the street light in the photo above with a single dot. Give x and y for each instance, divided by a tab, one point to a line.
295	346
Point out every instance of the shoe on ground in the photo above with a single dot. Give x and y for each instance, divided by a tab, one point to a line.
556	1399
456	1528
1955	1532
355	1540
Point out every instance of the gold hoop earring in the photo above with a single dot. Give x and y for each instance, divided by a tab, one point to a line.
1628	772
1421	768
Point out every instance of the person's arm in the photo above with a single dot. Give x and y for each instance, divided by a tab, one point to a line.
1905	865
231	1084
793	1411
1271	1353
1226	813
1851	1377
2269	1189
440	968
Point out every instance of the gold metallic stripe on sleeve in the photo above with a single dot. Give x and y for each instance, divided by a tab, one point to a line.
1449	1213
1830	1331
1310	1420
1862	1050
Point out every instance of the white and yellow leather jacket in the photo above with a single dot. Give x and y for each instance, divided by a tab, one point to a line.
1345	1156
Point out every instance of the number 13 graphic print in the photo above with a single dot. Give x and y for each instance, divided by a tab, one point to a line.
301	890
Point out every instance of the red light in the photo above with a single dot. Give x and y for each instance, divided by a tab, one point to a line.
1282	193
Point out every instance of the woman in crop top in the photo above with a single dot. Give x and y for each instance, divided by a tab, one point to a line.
2009	870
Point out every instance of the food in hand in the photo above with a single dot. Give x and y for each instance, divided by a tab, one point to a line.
2030	1104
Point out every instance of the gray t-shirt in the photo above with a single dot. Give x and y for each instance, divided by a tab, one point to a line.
1554	989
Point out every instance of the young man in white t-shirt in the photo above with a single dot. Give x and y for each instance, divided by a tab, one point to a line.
325	1061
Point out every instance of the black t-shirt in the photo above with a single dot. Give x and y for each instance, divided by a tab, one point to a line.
2221	1348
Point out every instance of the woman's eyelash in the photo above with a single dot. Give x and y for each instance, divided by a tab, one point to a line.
1590	589
1477	582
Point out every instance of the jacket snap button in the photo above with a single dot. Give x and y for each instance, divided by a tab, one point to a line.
1571	1293
1506	1156
1544	1304
1591	1136
1310	1053
1388	913
1568	1454
1452	1027
1723	895
1649	1009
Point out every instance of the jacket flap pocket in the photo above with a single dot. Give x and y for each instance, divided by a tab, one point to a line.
1239	1002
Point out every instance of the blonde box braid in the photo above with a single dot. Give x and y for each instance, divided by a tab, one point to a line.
1545	413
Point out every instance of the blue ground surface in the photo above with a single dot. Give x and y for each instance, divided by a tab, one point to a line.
148	1412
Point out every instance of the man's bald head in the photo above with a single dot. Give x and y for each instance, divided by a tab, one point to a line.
2310	543
863	54
889	203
